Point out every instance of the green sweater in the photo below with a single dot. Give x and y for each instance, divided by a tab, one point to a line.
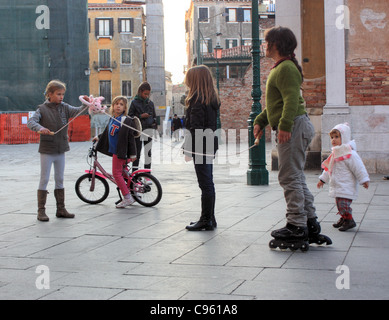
283	99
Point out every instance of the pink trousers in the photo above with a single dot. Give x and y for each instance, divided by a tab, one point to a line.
117	172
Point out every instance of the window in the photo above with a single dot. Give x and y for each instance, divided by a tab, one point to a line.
238	15
126	25
231	15
104	28
203	14
126	88
104	58
206	46
246	42
246	15
105	91
231	43
126	56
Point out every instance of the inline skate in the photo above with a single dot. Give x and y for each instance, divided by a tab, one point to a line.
290	237
314	235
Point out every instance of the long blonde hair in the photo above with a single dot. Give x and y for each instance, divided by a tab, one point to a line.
201	85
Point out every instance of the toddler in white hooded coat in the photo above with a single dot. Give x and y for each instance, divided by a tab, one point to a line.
343	170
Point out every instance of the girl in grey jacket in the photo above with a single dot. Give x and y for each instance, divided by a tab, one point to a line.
50	117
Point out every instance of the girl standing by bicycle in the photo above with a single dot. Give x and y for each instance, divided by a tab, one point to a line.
52	116
143	108
118	141
201	143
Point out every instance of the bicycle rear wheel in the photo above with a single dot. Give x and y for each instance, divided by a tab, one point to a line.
83	189
146	189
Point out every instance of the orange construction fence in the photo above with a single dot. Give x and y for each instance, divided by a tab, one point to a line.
13	129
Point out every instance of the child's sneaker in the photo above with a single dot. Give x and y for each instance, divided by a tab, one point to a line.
125	202
347	224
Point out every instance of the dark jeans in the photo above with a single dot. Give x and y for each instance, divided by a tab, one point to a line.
204	173
139	144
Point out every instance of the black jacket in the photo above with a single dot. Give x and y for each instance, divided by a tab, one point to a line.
126	147
201	119
139	106
176	124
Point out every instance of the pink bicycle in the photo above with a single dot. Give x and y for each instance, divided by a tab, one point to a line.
93	187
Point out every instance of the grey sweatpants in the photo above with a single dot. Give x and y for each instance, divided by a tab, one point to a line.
291	159
47	160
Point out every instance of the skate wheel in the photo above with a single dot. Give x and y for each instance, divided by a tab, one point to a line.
304	247
272	244
293	247
283	246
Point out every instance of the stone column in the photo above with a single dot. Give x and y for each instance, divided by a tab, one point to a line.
336	109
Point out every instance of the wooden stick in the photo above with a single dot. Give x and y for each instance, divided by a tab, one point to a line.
50	134
256	142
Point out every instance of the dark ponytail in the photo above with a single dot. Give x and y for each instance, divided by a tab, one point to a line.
285	42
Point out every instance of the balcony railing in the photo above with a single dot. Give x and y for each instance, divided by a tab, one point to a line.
233	53
104	66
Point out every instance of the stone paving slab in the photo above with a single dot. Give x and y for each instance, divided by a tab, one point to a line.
141	253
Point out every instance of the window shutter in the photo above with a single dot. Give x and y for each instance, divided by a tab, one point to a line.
97	27
111	27
203	14
210	49
227	44
234	43
227	17
239	15
132	25
119	25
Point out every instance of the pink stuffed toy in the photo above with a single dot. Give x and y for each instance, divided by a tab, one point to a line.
94	104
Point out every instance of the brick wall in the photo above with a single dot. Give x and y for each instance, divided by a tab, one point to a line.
235	96
314	92
367	82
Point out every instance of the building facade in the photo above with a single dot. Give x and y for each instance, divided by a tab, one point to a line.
346	62
227	24
116	48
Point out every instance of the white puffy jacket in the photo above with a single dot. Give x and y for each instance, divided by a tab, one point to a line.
346	174
345	177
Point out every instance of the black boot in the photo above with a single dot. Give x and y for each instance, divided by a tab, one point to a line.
207	216
214	223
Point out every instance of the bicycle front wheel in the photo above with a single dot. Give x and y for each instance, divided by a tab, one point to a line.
146	189
95	196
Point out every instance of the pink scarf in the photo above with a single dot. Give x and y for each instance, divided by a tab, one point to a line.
339	153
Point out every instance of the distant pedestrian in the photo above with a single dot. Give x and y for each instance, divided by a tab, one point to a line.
201	142
176	126
143	108
118	142
50	117
343	170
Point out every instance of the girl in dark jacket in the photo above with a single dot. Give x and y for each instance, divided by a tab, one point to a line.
118	141
201	142
143	108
